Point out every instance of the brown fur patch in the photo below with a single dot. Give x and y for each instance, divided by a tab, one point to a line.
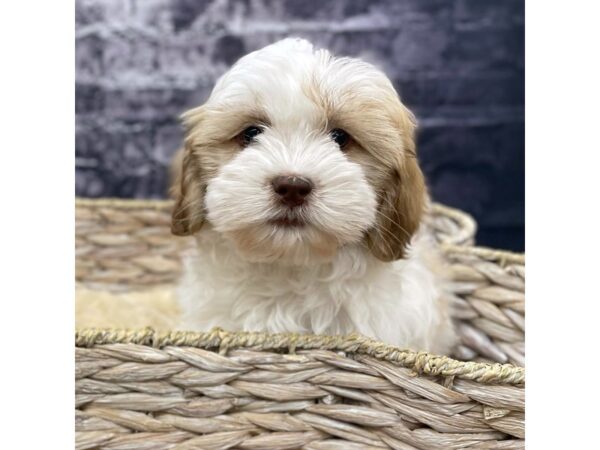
383	130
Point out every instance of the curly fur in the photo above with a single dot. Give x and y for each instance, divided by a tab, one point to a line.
359	261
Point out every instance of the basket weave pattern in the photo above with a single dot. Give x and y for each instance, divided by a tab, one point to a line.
142	389
287	391
487	296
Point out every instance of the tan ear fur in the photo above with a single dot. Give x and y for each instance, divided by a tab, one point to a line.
188	191
209	144
175	174
402	199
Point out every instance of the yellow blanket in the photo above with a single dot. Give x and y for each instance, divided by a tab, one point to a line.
155	307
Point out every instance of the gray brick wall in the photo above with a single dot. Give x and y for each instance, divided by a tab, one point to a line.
458	64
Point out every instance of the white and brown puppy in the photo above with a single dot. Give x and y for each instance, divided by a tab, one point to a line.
300	182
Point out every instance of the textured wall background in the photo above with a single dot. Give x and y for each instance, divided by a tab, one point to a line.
459	65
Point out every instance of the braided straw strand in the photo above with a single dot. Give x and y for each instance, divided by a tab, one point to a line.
420	362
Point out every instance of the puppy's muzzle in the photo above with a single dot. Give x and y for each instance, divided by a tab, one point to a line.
292	190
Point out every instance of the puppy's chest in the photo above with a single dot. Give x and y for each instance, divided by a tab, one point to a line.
288	286
282	286
351	275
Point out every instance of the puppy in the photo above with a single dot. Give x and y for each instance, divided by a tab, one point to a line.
300	183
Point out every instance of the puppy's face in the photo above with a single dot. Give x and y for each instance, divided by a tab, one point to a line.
297	154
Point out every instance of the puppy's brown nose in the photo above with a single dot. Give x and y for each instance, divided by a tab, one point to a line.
292	190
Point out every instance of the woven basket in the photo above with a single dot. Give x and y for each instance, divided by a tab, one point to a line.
144	389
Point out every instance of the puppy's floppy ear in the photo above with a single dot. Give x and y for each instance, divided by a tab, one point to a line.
402	199
188	186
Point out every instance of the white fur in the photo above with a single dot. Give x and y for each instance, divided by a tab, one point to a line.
393	302
319	278
342	206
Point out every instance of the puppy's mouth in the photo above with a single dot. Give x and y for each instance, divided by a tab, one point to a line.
287	222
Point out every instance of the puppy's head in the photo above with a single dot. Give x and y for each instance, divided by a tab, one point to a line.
296	154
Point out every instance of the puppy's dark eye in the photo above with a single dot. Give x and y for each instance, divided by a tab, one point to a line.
247	136
340	137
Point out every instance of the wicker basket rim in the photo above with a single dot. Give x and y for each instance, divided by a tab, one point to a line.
420	362
468	225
